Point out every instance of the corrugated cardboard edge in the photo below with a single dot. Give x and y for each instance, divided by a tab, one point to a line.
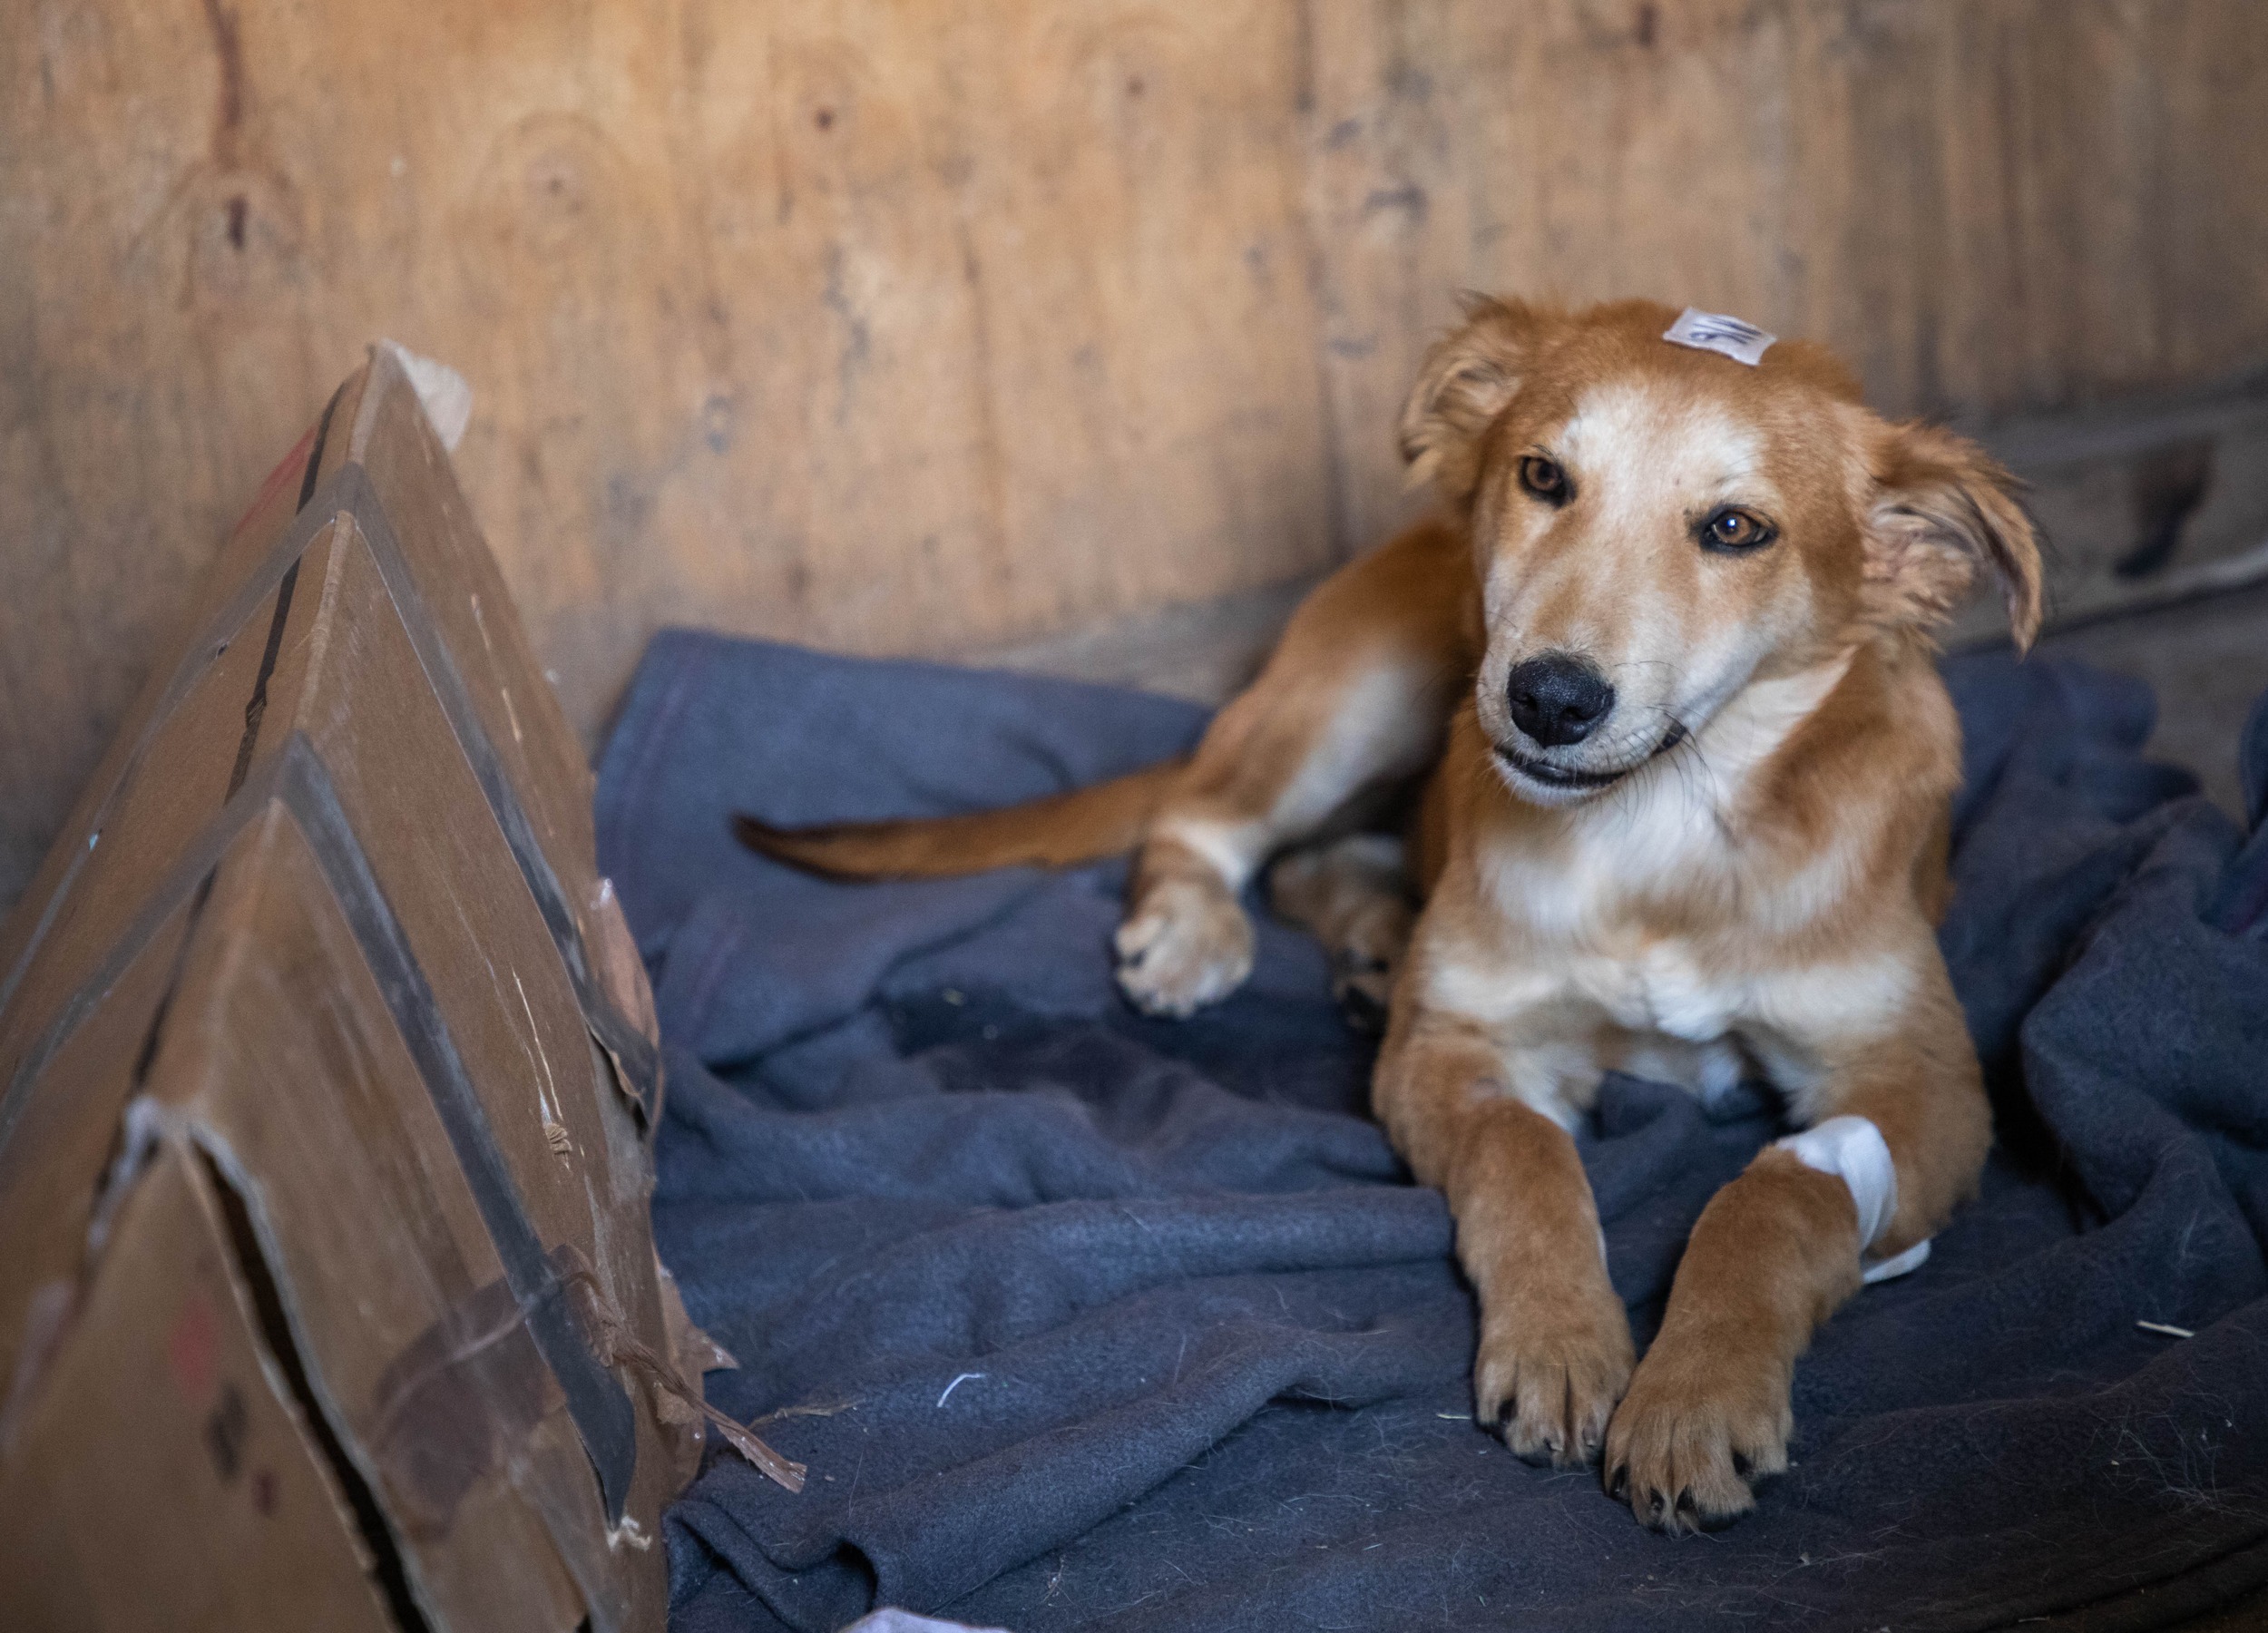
608	977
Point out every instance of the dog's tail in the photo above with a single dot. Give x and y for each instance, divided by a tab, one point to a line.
1102	819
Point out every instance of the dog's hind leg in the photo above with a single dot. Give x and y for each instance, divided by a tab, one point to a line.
1353	895
1356	697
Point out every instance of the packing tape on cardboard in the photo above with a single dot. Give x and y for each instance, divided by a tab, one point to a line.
600	1408
459	1398
595	1397
443	394
634	1055
295	776
309	522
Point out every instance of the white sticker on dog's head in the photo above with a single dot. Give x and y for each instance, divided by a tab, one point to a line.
1713	332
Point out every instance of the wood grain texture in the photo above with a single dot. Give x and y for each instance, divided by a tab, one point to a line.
933	324
1987	206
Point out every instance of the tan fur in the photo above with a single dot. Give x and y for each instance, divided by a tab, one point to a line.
1734	874
1095	821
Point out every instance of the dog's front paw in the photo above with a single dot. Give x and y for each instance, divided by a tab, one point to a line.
1187	944
1549	1374
1702	1420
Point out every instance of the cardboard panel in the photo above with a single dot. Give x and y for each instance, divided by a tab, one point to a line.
272	1041
462	595
166	1480
178	779
334	934
476	663
53	1166
243	579
366	1213
418	812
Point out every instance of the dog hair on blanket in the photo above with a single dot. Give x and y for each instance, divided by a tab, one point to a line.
1656	684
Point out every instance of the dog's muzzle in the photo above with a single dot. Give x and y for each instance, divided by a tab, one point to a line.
1575	778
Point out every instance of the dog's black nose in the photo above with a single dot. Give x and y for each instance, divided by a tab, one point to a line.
1558	698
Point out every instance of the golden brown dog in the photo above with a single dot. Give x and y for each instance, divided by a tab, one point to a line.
1665	653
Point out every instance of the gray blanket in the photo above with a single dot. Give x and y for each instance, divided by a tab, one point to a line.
1082	1320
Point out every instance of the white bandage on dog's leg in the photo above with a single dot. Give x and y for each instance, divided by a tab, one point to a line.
1853	1151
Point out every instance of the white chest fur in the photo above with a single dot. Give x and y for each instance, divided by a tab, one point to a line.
1569	963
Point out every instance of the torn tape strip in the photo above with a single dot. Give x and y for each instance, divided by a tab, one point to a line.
618	1344
1853	1150
459	1399
455	1402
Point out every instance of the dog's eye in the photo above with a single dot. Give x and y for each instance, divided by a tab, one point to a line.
1736	531
1544	479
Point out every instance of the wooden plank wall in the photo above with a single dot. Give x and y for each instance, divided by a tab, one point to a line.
927	325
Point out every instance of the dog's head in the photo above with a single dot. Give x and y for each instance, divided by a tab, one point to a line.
1658	527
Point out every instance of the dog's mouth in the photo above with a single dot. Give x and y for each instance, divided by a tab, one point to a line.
1574	779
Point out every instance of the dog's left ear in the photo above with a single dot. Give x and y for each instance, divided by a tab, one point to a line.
1937	507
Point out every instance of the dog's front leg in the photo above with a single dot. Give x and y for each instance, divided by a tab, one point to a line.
1904	1116
1555	1345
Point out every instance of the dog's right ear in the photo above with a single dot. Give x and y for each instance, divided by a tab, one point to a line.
1467	378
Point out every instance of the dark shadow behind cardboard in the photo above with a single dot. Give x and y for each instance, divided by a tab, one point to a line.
326	1074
